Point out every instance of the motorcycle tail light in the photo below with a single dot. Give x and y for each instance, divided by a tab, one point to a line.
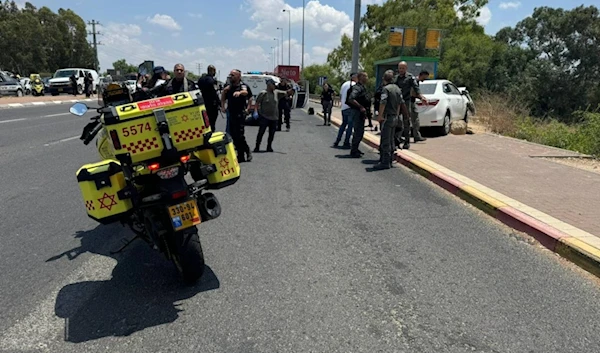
205	116
114	137
154	166
179	194
184	159
168	173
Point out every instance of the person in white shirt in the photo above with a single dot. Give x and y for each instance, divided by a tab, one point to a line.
347	122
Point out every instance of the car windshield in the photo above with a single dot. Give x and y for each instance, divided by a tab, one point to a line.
64	73
427	88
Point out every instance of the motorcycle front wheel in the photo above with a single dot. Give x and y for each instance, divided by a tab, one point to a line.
188	256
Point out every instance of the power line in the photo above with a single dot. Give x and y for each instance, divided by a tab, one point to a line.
95	43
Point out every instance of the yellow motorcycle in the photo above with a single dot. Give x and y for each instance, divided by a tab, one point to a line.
147	148
37	85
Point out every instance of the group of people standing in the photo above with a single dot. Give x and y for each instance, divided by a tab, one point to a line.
394	107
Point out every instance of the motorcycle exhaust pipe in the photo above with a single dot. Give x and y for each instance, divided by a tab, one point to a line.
209	206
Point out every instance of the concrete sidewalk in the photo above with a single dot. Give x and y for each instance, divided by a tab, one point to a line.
517	183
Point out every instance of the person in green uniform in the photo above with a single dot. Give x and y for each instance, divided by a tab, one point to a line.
408	82
391	105
267	108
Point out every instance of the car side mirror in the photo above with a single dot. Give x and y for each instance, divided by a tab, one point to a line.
78	109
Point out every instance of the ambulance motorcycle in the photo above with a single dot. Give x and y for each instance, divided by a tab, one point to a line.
147	147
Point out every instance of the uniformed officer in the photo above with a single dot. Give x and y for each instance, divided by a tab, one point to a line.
360	103
406	82
236	96
207	86
390	108
284	103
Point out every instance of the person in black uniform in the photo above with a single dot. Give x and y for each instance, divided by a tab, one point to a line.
207	84
236	96
284	103
360	103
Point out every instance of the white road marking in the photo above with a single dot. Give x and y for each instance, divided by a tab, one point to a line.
63	140
10	121
38	103
42	327
59	114
15	105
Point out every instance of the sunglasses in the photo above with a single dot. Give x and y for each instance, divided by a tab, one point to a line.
179	70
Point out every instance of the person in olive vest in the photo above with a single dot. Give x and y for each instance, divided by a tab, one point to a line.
408	82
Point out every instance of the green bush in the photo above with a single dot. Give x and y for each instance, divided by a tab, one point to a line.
583	137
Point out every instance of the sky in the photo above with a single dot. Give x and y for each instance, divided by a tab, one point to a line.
241	33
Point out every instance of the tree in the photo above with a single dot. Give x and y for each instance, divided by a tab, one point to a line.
38	40
313	72
125	68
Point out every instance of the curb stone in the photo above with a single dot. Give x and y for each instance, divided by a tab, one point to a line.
38	104
571	243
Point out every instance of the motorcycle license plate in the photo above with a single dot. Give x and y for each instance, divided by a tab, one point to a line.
184	215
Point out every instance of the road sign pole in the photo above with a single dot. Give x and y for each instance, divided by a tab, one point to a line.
403	39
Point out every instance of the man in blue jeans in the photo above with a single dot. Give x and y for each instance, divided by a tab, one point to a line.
347	117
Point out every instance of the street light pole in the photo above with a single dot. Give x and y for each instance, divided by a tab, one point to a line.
303	6
277	61
281	28
356	36
289	36
273	58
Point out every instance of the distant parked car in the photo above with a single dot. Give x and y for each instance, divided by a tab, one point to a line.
445	104
26	83
10	86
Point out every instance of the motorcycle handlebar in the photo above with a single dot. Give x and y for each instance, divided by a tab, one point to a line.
92	134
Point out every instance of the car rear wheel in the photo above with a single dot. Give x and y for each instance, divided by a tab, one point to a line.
445	128
19	93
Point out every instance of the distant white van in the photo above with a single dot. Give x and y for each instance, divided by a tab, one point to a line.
60	82
258	83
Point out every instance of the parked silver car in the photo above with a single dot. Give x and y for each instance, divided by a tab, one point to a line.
10	86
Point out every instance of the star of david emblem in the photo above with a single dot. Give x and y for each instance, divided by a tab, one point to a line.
111	201
185	118
224	162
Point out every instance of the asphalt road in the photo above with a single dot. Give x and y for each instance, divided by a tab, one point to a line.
313	253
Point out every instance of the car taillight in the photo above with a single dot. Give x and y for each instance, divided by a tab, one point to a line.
433	102
168	173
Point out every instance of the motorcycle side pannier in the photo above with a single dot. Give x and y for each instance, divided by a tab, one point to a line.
220	152
100	184
133	127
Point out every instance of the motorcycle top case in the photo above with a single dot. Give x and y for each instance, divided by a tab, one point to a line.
101	184
220	152
133	127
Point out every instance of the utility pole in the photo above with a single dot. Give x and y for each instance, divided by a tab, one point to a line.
95	43
356	36
199	67
303	8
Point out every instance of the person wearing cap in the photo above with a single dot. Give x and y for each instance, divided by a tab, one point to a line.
266	105
347	121
207	85
158	78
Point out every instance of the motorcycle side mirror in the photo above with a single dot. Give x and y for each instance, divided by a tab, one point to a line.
78	109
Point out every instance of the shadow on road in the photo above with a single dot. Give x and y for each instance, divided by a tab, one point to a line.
145	290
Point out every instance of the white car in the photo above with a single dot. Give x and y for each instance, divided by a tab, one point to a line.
445	104
25	82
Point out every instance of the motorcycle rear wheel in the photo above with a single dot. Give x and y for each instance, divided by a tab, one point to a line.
188	256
